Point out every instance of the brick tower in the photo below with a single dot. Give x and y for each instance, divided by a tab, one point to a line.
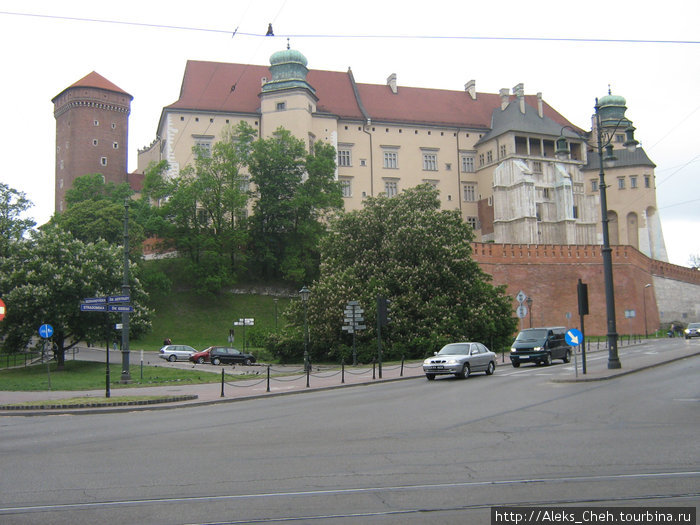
92	123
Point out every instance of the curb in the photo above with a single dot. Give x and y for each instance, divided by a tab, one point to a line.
58	406
621	373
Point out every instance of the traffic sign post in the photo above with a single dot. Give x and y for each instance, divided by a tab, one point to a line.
353	318
106	305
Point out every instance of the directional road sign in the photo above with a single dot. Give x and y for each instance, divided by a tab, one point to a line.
118	298
2	309
46	331
521	296
88	307
120	308
94	300
574	337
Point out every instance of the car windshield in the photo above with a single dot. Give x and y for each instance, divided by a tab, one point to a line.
694	325
455	349
528	336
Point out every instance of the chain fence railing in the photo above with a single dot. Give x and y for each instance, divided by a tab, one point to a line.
285	375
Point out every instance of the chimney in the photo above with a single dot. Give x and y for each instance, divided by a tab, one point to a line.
519	91
470	87
391	82
505	98
540	108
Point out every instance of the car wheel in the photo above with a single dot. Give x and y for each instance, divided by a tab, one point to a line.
215	361
430	376
567	356
516	364
200	360
491	368
247	362
548	360
172	358
464	373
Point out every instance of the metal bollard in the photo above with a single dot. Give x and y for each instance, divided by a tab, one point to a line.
342	371
222	382
268	378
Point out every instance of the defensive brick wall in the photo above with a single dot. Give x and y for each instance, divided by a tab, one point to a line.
549	274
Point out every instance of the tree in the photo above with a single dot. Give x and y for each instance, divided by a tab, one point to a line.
406	249
92	187
694	260
203	210
295	193
47	275
13	204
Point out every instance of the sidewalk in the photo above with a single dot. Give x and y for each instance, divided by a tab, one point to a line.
633	358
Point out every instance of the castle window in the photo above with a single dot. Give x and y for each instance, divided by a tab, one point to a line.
103	161
503	151
481	159
95	142
594	185
545	193
281	106
469	192
536	166
468	163
429	161
391	188
115	145
344	157
391	160
633	182
575	212
489	156
346	187
203	148
473	222
620	183
95	122
647	181
182	119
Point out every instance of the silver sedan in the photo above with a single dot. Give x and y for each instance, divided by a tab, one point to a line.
176	352
460	359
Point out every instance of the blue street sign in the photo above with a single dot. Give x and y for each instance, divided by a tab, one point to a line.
93	307
46	331
574	337
120	308
94	300
118	298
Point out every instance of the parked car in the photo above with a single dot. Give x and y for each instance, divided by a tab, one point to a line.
693	330
540	345
223	355
460	359
176	352
201	357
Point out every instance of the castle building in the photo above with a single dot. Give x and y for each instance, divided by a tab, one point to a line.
491	156
92	125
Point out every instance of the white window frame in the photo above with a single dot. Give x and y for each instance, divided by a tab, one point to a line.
391	159
430	161
391	187
467	163
346	187
345	157
469	191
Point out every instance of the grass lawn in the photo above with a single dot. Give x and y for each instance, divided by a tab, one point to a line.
88	375
191	319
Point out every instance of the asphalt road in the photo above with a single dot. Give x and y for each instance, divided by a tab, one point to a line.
413	451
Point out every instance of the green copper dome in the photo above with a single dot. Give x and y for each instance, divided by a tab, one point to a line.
288	70
288	56
611	109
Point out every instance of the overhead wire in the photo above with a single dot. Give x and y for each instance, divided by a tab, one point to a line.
357	36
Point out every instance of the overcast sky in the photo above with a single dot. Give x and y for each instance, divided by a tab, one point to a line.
650	54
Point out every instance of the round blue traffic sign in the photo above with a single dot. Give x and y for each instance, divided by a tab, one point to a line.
574	337
46	331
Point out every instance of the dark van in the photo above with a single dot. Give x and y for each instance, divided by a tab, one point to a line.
540	345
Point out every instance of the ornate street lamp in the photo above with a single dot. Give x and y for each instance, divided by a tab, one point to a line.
529	307
604	143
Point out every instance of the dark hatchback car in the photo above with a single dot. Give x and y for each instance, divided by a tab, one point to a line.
223	355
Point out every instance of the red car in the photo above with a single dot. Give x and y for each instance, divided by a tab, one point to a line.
201	357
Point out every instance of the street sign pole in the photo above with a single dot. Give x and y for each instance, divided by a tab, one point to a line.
126	291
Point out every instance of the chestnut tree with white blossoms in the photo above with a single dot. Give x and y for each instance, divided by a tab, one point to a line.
408	250
43	279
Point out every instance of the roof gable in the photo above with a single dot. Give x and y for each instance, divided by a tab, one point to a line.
95	80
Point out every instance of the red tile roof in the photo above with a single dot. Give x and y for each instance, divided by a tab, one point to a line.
95	80
209	86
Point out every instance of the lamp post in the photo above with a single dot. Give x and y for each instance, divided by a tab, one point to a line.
644	296
604	143
126	291
529	308
304	293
